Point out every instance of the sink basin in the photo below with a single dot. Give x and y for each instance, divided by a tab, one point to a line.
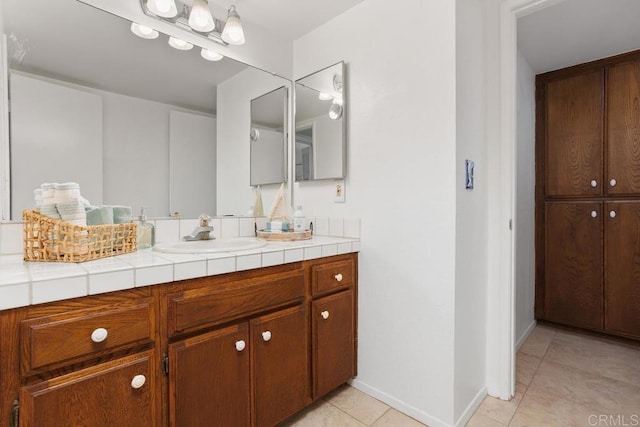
210	246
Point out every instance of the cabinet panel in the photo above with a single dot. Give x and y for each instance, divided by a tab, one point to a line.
99	396
333	342
623	128
280	352
574	264
574	143
622	277
209	379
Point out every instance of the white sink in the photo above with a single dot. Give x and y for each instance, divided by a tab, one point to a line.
210	246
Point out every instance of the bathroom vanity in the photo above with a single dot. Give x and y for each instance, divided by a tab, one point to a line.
247	348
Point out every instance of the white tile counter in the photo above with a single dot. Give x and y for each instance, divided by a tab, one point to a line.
25	283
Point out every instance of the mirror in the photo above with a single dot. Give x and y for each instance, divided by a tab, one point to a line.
320	138
134	121
268	138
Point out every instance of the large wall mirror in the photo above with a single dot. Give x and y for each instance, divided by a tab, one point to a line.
135	121
268	138
320	139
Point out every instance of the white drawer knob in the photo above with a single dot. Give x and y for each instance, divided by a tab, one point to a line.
240	345
339	277
325	315
99	335
613	182
138	381
594	214
594	183
266	335
612	214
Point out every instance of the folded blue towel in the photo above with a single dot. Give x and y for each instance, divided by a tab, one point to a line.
121	214
100	215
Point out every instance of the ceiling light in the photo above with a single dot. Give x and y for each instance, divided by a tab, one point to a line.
164	8
200	18
324	96
144	32
210	55
335	111
233	33
179	44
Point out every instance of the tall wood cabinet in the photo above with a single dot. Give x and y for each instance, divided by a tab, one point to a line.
588	195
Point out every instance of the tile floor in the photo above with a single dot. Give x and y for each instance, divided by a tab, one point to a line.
563	379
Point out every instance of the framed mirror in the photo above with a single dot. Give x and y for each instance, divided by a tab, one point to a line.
135	121
268	138
320	138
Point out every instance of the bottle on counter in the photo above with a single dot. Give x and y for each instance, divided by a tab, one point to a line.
298	219
146	235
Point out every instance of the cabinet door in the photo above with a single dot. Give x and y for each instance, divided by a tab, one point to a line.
574	146
333	342
209	379
116	393
623	130
573	264
622	277
280	353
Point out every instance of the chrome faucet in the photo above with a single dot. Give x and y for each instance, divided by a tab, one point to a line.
202	232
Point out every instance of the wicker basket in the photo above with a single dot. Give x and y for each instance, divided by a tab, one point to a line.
48	239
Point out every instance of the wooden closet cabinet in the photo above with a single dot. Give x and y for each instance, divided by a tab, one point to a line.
588	195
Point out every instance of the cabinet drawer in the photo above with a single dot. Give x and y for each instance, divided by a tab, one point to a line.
223	302
56	338
331	276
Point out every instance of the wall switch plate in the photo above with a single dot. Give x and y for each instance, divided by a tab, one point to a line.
338	191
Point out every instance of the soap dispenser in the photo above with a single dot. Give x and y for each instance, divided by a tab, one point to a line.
298	219
146	236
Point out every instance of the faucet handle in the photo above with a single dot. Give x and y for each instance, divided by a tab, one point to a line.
204	220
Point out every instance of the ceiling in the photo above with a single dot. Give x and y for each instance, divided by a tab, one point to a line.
71	41
577	31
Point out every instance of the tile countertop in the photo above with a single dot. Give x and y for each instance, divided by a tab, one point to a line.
26	283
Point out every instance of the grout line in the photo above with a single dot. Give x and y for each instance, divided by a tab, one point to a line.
382	415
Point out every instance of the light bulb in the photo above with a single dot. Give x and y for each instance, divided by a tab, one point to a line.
143	31
233	32
324	96
163	8
200	18
335	111
179	44
210	55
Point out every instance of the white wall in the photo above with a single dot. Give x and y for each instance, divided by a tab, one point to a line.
235	194
471	212
525	198
401	178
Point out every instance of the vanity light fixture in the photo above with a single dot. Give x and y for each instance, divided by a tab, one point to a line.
164	8
143	31
337	100
200	18
210	55
335	111
233	32
324	96
179	44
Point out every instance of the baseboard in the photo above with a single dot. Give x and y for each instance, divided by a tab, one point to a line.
401	406
525	335
472	407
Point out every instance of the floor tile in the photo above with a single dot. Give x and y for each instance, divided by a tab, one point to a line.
502	410
605	358
540	408
479	420
538	341
322	414
592	390
393	418
526	367
357	404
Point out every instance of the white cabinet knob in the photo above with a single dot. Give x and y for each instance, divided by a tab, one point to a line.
99	335
325	315
612	214
338	277
266	335
594	183
240	345
594	214
138	381
613	182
